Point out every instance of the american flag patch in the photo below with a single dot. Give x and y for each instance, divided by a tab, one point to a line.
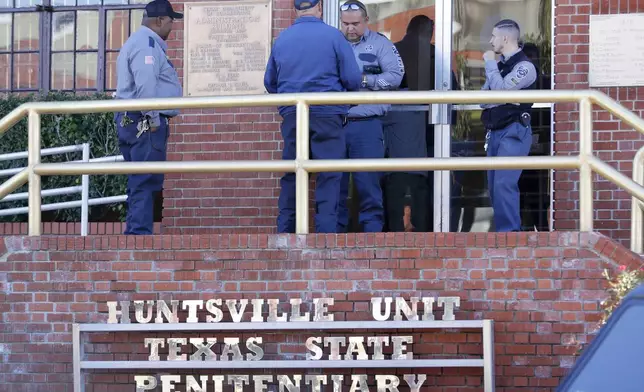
149	59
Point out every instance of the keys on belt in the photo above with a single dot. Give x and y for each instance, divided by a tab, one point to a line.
125	121
142	126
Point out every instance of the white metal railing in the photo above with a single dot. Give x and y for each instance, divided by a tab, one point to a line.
83	189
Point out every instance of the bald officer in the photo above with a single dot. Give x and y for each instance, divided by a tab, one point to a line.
311	56
382	69
144	71
509	132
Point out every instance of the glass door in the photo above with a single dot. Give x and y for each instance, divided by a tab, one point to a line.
470	208
427	62
459	201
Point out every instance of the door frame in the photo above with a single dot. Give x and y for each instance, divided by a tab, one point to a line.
441	113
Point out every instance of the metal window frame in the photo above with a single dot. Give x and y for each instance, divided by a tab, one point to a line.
45	51
486	362
12	52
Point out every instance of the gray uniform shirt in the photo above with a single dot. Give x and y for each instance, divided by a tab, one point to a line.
374	49
523	74
143	70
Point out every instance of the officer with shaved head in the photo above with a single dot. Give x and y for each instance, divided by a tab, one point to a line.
509	132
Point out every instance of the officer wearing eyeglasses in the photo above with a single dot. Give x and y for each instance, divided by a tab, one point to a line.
382	69
311	56
143	70
509	132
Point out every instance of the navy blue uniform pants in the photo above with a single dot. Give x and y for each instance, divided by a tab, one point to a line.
364	140
150	146
326	142
513	140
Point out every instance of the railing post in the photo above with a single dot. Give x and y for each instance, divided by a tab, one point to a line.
637	214
301	175
33	159
585	172
85	194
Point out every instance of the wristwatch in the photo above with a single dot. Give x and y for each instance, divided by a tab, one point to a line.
364	80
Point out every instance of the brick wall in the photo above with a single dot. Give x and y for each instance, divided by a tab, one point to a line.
238	202
68	228
614	142
542	291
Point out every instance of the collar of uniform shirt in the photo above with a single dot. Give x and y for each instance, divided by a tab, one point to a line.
308	18
504	59
159	40
366	34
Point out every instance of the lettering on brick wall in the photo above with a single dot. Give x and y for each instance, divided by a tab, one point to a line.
250	348
226	47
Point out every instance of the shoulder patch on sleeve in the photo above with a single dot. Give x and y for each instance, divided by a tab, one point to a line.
149	60
151	42
522	71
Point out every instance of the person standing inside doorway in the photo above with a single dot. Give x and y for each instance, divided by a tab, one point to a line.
382	69
509	132
311	56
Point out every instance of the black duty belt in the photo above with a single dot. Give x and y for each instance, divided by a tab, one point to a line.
523	119
362	118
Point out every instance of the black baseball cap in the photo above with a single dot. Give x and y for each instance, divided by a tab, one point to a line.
157	8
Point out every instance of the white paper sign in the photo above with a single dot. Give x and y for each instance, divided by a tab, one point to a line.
616	53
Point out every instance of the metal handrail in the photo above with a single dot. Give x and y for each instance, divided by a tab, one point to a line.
84	203
637	209
302	166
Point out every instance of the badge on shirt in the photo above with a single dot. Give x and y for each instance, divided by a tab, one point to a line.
149	59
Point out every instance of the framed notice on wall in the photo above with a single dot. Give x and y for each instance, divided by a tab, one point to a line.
616	53
226	47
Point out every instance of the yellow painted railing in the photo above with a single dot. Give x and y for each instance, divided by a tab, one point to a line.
585	161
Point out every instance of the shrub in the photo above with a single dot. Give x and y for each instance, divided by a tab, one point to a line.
619	287
97	129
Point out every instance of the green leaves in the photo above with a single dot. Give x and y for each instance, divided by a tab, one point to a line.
97	129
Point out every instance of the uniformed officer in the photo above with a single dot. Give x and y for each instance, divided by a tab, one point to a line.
144	71
509	132
311	56
382	69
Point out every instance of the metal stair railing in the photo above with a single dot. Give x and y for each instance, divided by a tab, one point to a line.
585	161
83	189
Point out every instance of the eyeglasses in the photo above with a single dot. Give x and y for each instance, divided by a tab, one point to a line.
352	6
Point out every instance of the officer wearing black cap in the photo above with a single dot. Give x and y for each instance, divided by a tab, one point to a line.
509	132
311	56
144	71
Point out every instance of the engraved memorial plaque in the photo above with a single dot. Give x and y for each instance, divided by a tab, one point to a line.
226	47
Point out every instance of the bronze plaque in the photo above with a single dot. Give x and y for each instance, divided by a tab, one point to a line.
226	47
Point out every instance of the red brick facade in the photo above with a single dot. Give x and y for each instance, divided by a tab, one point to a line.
542	291
614	142
225	203
248	202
